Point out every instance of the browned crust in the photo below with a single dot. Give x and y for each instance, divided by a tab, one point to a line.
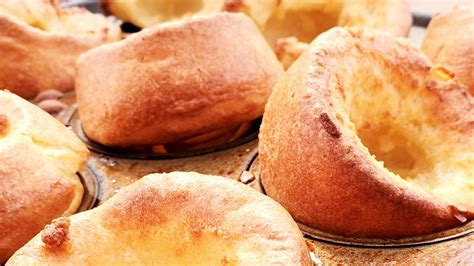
175	81
328	125
34	60
34	187
233	5
106	6
31	195
137	217
4	125
56	234
450	41
326	181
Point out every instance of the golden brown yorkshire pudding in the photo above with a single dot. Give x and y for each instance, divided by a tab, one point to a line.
447	45
275	18
176	81
288	50
40	43
363	137
39	159
180	218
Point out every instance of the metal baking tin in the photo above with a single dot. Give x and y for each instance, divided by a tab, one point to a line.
109	170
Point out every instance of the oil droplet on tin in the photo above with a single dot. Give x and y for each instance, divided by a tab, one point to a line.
315	259
246	177
107	161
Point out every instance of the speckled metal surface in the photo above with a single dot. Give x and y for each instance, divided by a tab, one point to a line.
454	252
114	173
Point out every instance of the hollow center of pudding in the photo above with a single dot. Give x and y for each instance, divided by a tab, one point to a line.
392	145
301	20
394	117
388	121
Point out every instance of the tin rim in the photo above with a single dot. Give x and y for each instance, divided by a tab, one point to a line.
75	124
92	189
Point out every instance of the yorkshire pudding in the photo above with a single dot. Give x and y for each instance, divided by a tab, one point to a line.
39	159
180	218
363	137
275	18
176	81
40	43
449	41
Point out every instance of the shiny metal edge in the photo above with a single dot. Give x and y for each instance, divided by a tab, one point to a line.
92	189
458	232
73	122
